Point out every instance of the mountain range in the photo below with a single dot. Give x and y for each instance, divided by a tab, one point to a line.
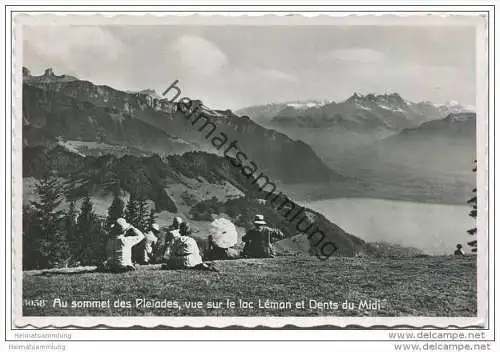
332	128
89	117
357	113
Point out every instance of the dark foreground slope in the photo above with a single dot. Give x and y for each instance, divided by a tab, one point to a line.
435	286
156	179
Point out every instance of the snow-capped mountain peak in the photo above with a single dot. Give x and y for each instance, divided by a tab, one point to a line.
301	105
454	107
360	111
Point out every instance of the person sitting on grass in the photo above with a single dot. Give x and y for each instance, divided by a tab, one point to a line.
176	223
165	239
459	251
185	230
145	247
183	253
221	240
122	237
258	240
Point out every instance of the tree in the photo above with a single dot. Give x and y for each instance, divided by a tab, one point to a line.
142	215
137	213
151	218
473	214
116	210
49	243
132	211
91	239
49	191
31	233
71	228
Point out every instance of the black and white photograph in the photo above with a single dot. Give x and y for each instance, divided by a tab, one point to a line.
295	168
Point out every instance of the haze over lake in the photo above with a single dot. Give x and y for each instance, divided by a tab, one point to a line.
433	228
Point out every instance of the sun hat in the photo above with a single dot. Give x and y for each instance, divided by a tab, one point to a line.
259	220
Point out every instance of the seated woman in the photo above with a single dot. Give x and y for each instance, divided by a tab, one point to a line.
184	253
215	252
222	237
166	236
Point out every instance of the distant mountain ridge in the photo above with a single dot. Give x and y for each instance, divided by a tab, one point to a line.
358	112
341	132
462	124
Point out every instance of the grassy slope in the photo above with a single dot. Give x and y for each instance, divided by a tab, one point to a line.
435	286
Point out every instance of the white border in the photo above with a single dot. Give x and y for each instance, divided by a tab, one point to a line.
224	321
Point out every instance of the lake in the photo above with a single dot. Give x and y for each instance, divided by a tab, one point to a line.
433	228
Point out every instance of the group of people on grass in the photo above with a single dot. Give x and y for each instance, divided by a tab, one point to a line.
175	248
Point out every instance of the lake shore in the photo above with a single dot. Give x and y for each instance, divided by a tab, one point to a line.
433	228
436	192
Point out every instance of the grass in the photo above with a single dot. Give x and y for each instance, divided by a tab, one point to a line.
433	286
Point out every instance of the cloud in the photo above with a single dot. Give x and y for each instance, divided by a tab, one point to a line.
199	55
260	76
73	46
274	74
360	55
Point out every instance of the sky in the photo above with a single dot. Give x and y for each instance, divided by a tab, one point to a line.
230	67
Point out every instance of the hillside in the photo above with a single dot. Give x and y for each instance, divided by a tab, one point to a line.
454	126
87	116
299	244
446	146
50	116
187	185
434	286
434	158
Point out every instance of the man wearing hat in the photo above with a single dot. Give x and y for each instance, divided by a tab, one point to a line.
122	237
258	240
